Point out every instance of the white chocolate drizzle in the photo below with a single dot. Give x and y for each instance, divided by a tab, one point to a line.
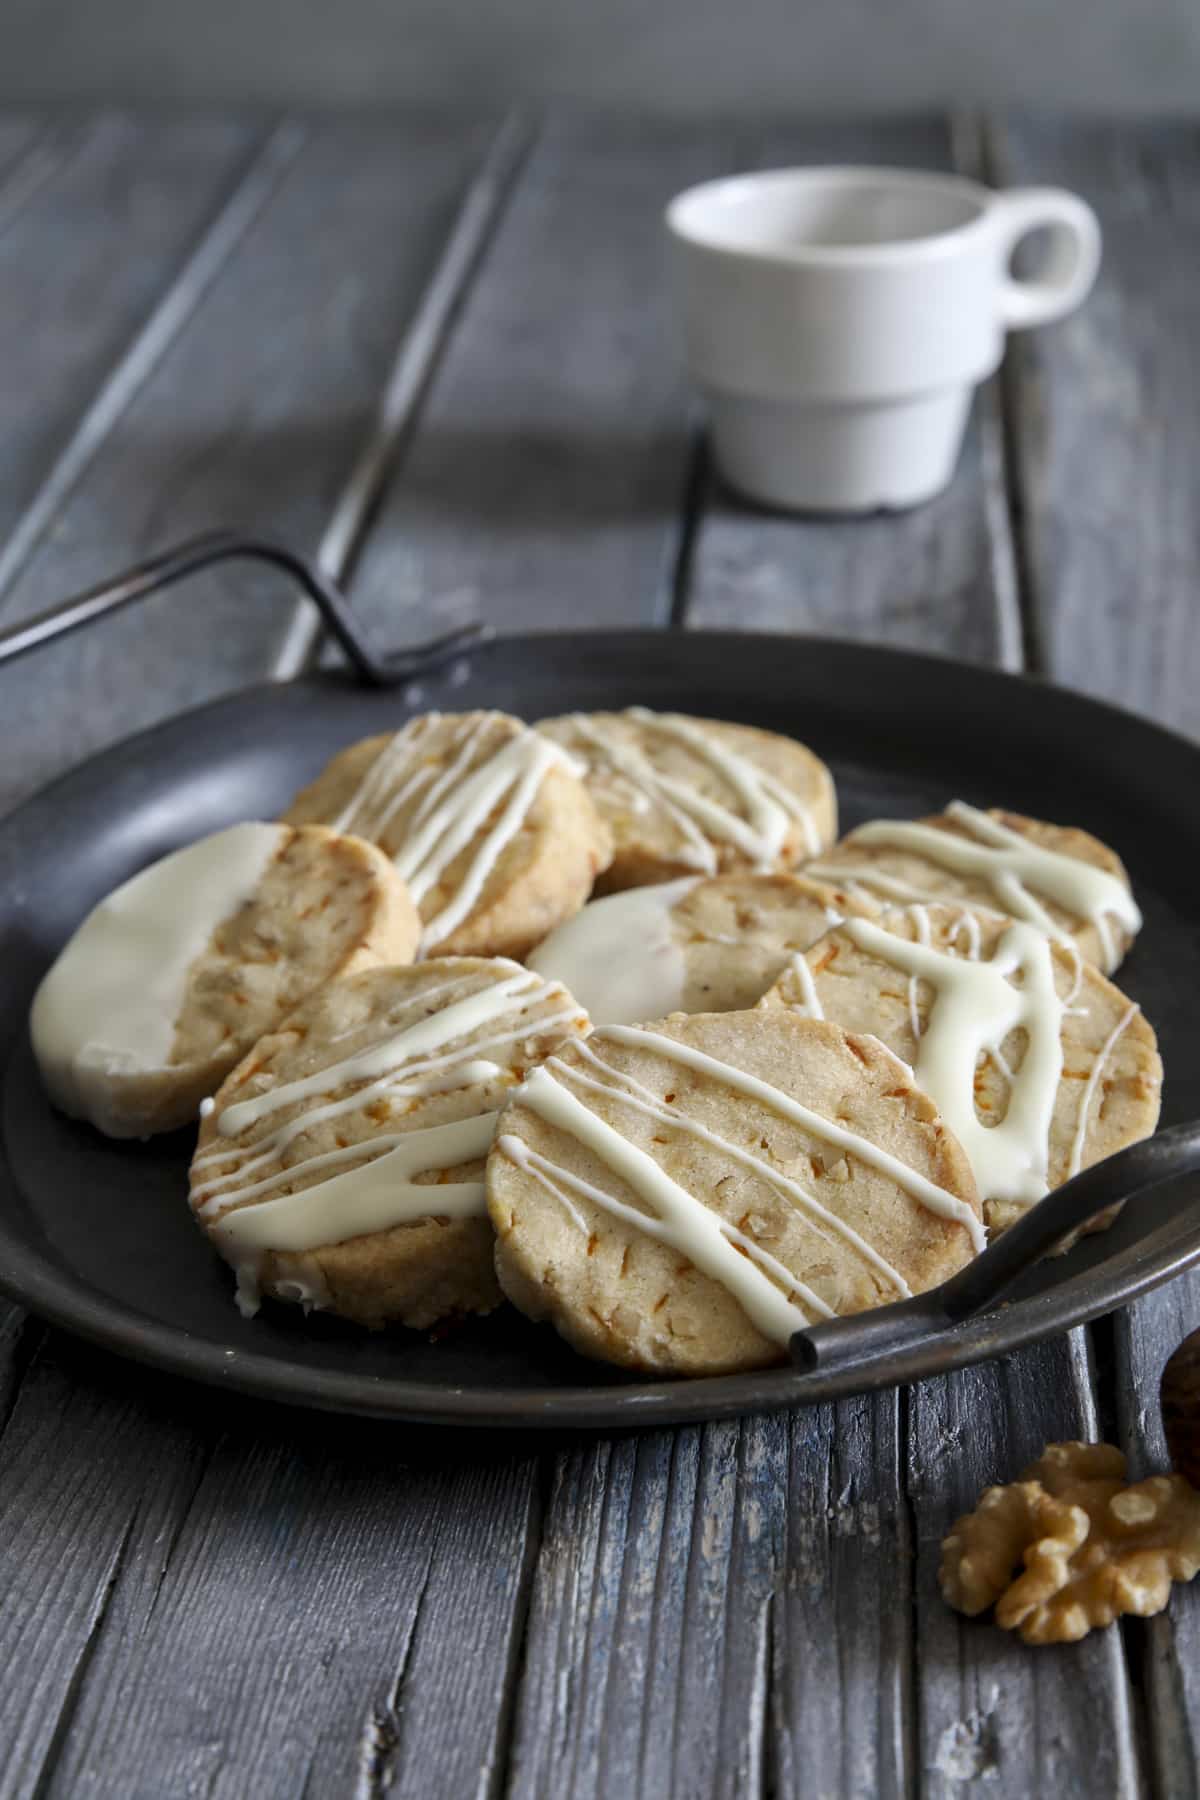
619	956
673	1214
371	1185
1090	1086
766	807
975	1006
453	809
811	1006
918	1187
109	1006
1013	866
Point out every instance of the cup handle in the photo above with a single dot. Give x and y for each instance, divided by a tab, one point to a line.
1072	260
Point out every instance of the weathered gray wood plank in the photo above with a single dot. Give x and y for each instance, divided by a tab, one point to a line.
96	219
990	1709
940	577
281	1604
1144	1337
1106	412
545	484
252	410
229	1599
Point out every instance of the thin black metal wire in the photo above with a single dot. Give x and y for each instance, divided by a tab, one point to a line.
176	564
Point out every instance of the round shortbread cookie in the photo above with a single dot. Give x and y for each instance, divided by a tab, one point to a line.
171	979
1038	1064
697	945
679	1199
996	862
488	822
686	796
341	1164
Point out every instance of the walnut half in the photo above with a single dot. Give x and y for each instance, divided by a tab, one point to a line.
1092	1546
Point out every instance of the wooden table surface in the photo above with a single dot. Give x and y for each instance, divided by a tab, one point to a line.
438	350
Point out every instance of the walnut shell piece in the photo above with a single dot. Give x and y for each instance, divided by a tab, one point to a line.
1180	1400
1092	1546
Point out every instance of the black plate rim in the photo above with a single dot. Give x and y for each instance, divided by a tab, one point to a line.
37	1281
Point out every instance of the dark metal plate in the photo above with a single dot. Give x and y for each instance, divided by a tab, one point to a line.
97	1236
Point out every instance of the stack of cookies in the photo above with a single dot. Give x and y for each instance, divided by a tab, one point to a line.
761	1078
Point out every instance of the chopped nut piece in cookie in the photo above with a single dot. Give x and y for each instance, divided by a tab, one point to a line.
1092	1546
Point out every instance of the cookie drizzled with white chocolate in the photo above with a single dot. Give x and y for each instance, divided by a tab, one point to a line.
365	1118
1061	880
1037	1063
670	1204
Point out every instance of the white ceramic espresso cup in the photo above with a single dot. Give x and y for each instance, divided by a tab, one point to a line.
838	320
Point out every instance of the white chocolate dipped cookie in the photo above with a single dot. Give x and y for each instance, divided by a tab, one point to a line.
487	821
686	796
341	1164
1037	1063
681	1198
1054	876
701	944
171	978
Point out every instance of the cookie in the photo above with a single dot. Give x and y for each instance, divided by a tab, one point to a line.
1037	1063
341	1164
695	945
681	1198
171	979
686	796
1054	876
488	823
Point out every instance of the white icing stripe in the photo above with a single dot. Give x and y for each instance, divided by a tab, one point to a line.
768	806
110	1004
1012	865
453	809
811	1000
369	1198
633	1093
969	922
431	1075
551	1175
1089	1091
860	876
438	1029
211	1194
975	1006
521	777
920	919
675	1215
916	1185
619	956
641	775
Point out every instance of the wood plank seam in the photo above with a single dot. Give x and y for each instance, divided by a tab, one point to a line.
83	1659
994	172
22	1338
497	1780
259	179
908	1721
969	149
381	1738
415	366
697	477
203	1464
